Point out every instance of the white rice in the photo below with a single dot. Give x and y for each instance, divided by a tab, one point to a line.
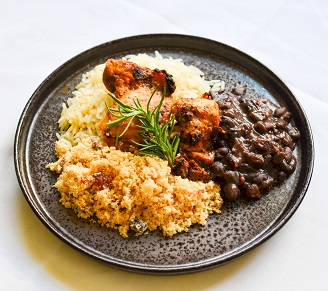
83	112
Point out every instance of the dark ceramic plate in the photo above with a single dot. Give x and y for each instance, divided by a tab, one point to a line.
241	227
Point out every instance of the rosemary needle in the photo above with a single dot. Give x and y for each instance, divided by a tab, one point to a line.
158	139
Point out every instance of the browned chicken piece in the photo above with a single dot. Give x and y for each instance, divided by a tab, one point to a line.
129	81
198	122
120	77
197	118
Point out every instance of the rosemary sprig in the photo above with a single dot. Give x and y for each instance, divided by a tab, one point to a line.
158	140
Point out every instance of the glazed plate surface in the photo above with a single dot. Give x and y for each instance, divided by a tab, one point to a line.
241	226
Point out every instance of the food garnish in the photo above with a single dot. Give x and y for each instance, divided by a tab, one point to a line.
158	139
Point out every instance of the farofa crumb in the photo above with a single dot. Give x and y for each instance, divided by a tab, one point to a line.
128	192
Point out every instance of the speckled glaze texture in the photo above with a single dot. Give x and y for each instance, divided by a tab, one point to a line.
240	227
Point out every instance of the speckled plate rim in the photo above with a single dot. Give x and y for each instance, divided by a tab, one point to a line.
175	40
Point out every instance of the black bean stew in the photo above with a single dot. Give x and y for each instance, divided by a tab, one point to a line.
255	150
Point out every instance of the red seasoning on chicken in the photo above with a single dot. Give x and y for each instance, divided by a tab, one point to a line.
128	81
124	77
197	119
198	122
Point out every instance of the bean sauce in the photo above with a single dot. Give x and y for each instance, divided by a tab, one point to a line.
255	150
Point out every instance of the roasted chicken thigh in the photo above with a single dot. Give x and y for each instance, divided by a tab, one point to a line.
197	119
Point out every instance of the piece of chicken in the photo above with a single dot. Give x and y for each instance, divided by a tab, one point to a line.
121	77
129	81
197	118
198	122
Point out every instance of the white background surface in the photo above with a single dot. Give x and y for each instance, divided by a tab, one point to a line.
290	37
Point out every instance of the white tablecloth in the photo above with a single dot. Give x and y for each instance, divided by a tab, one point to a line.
290	37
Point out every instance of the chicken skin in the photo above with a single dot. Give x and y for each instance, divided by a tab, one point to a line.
197	119
121	77
128	81
198	122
